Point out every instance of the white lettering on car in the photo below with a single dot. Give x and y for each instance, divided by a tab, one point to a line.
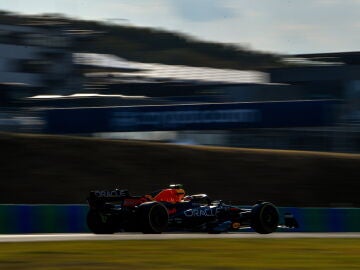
202	212
109	193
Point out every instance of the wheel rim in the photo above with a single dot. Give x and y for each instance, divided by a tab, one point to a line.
269	217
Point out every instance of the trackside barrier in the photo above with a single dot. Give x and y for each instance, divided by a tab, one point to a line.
72	219
42	218
216	116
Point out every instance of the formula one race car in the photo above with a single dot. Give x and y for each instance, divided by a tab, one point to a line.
116	211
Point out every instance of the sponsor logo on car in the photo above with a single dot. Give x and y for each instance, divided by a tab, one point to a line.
110	193
133	202
172	211
203	212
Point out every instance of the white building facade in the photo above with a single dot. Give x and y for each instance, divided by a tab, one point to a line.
36	58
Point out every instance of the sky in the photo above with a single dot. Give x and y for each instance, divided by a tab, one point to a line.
280	26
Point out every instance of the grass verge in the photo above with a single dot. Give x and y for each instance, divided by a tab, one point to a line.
184	254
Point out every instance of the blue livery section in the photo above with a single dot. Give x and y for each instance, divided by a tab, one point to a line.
217	116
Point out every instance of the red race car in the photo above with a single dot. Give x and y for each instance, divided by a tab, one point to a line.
170	210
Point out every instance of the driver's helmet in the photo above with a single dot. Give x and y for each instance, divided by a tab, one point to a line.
179	190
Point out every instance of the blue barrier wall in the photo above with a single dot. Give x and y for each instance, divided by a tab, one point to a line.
72	219
325	219
43	218
221	116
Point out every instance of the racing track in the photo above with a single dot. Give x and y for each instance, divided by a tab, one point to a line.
165	236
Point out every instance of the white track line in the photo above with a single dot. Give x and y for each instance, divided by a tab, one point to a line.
165	236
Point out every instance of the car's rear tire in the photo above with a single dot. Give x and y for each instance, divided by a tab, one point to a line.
264	218
153	217
99	223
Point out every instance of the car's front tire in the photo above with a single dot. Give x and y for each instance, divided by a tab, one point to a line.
264	218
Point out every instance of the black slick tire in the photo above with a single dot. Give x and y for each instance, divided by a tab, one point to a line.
264	218
153	217
98	223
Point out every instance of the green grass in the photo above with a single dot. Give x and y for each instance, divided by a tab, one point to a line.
184	254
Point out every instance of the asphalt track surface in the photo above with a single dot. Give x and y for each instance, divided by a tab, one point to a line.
164	236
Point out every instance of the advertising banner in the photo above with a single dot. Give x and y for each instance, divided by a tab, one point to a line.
215	116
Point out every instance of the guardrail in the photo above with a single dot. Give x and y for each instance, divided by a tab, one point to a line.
16	219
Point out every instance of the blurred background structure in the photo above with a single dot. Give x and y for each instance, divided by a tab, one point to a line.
67	76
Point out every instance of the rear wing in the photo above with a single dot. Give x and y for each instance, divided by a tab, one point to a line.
100	197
